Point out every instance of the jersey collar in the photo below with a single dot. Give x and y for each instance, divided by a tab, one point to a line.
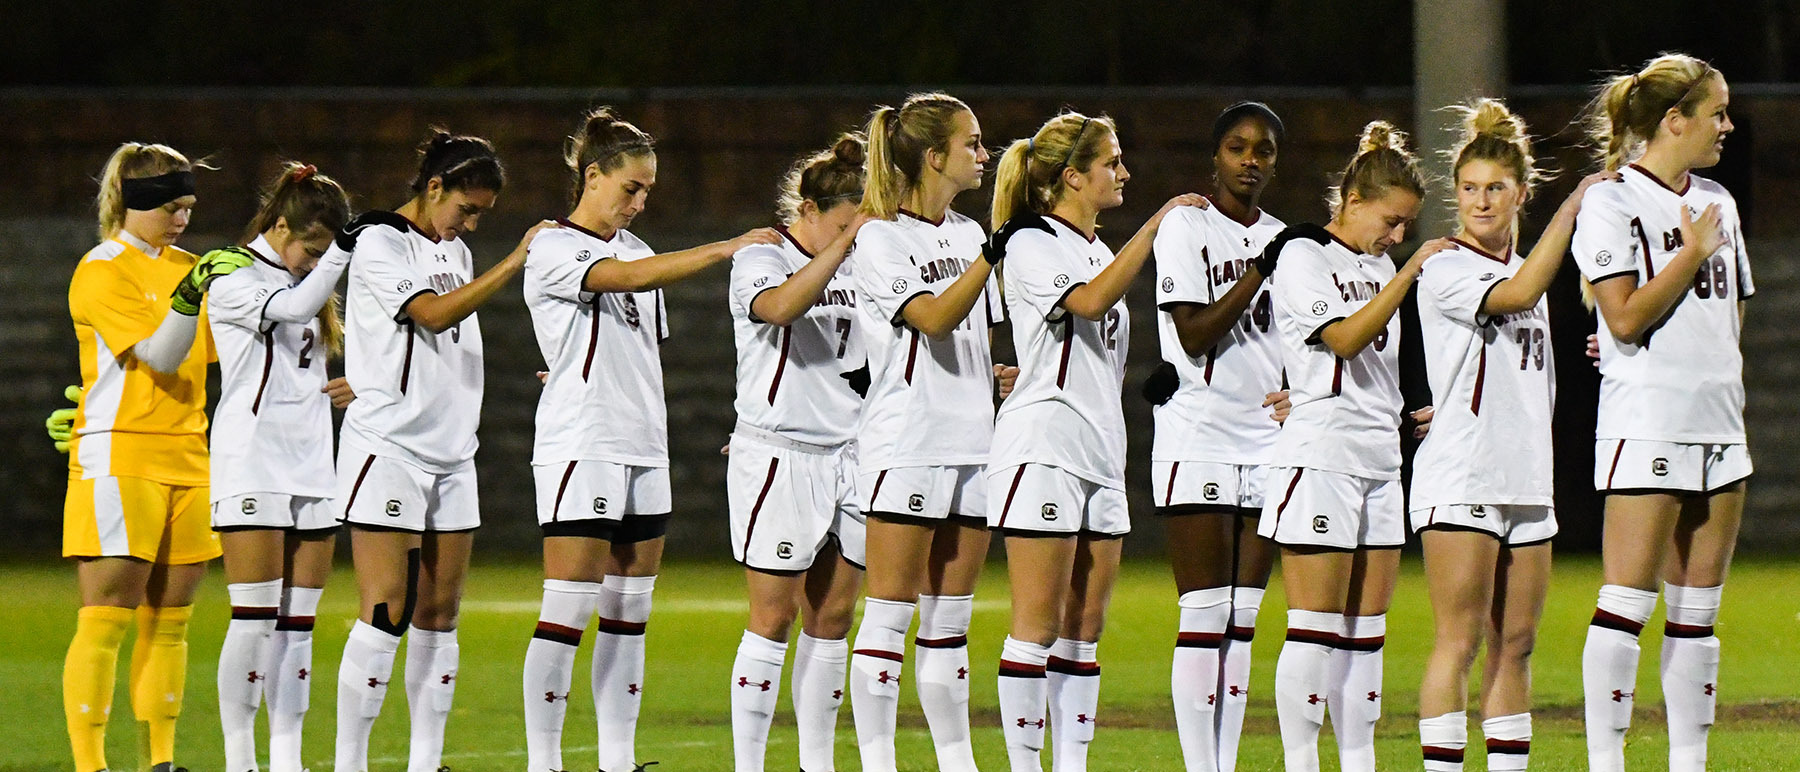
1501	259
261	247
1665	186
783	230
138	244
564	222
1071	226
921	218
1255	214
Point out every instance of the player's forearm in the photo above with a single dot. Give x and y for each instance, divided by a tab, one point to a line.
300	303
1644	306
1349	337
437	313
168	347
1199	328
656	271
1092	300
791	299
1524	289
937	315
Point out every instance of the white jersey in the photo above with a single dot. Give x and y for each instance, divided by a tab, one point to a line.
1216	415
418	393
1685	381
271	431
603	399
930	402
1064	411
1346	415
1493	383
788	378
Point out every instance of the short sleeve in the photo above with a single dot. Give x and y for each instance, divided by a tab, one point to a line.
754	270
238	299
387	268
1603	244
1305	289
1040	273
993	302
105	298
885	277
1183	271
1457	284
559	263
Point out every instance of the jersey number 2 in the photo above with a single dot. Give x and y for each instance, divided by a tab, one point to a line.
306	335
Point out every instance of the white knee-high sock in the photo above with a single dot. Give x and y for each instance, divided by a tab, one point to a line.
363	675
1194	674
1690	671
1024	696
432	657
941	654
1072	675
875	679
618	674
550	666
1234	675
1302	680
1442	740
818	690
1508	742
755	686
1356	696
289	688
243	667
1609	662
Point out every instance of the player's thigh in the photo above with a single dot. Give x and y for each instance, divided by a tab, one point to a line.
1316	579
1373	575
1039	567
173	585
1460	568
1705	538
1636	537
383	560
115	582
828	603
254	554
774	601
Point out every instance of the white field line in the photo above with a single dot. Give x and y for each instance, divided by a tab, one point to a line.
684	606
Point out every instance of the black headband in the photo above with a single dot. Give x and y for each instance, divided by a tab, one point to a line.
1240	111
146	193
1075	144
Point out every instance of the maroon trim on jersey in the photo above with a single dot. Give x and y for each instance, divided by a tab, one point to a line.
1337	376
1169	495
266	261
593	336
1342	243
1289	496
1614	469
268	365
416	229
1665	186
921	218
556	507
1006	509
783	230
406	365
879	479
1644	240
1480	379
564	222
1501	259
1255	213
912	356
357	487
1084	234
787	338
757	510
1212	355
1062	371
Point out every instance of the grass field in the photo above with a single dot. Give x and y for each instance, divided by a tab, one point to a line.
694	632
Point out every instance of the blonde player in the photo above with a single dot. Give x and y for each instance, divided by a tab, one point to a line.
406	471
926	301
1482	479
1333	500
601	458
135	517
275	323
1059	438
1664	250
1213	433
792	471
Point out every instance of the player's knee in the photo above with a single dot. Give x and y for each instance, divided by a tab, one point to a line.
772	620
1515	646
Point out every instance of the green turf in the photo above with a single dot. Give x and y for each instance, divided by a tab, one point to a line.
695	628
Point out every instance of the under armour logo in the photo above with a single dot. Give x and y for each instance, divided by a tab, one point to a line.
1314	699
1212	699
1246	242
1373	696
446	678
962	674
1238	691
943	243
375	684
254	677
1709	690
884	678
553	697
1038	723
837	694
1083	718
304	673
744	682
632	689
1619	696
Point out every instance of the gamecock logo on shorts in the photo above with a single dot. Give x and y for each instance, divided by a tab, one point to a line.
1049	510
249	506
1660	467
784	550
1478	510
393	508
599	505
1321	523
1211	491
915	502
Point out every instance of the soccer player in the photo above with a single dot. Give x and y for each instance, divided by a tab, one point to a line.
135	517
601	456
1213	433
275	322
1482	479
1333	498
1664	250
927	302
792	471
1059	438
406	457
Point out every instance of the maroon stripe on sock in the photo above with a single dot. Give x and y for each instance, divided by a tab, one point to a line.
255	612
555	633
1520	747
1199	640
1362	644
1320	637
1673	630
1611	621
1011	669
952	642
1072	667
1240	633
1447	755
620	627
881	654
296	624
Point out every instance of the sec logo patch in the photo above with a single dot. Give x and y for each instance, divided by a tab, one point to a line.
1319	308
1604	258
1062	280
899	286
1168	284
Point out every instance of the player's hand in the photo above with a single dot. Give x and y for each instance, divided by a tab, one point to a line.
1265	261
61	423
543	376
1707	234
1593	349
725	450
1432	247
1185	199
1571	206
1281	406
346	236
1422	421
191	291
1162	384
1005	377
994	249
341	395
753	237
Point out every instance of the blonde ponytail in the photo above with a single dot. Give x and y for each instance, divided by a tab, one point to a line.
1030	173
898	140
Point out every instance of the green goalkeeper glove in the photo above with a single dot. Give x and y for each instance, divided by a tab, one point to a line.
61	423
192	289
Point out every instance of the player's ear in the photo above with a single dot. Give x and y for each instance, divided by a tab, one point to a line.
808	209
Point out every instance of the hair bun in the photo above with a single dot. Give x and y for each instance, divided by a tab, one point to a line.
1491	118
1380	135
850	150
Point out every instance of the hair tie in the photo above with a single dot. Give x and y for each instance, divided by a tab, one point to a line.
305	172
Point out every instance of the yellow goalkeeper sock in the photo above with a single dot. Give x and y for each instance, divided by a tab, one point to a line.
158	675
89	671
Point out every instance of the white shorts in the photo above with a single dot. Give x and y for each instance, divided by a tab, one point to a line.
1623	466
274	510
1515	525
1187	487
1333	510
787	498
925	492
388	494
1045	499
599	490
